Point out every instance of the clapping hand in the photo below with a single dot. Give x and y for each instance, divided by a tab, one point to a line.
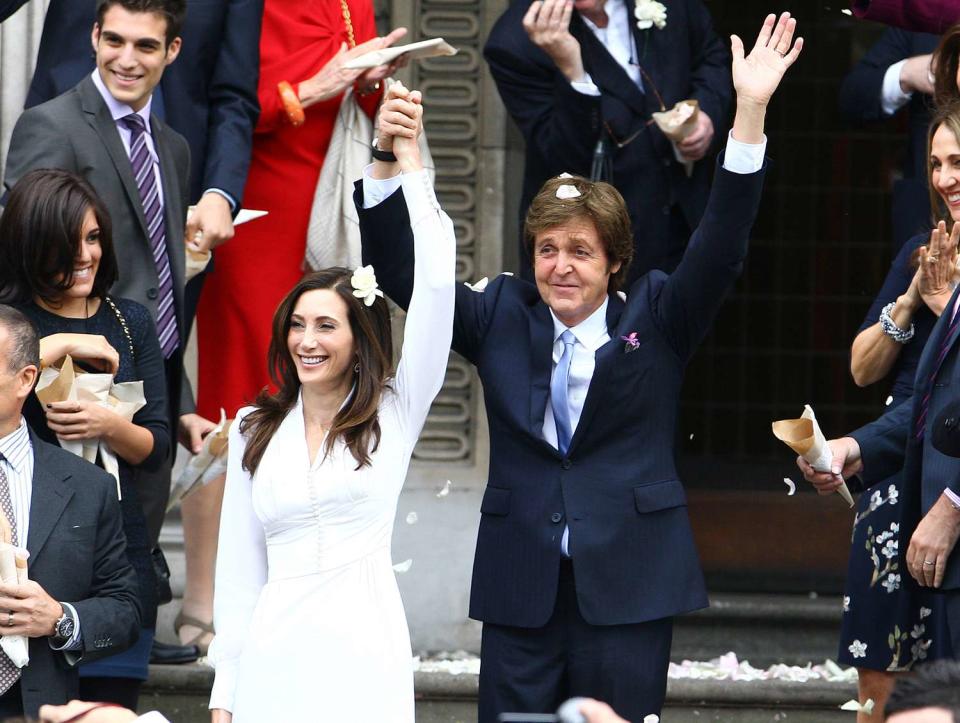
399	125
757	75
938	265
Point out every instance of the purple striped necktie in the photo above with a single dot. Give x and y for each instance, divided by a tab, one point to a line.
146	179
951	331
9	673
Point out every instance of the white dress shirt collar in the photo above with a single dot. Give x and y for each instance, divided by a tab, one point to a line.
16	447
591	333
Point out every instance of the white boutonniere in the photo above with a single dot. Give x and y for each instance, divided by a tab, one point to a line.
650	13
364	283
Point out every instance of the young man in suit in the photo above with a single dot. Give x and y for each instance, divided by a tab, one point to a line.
104	130
81	601
574	75
585	552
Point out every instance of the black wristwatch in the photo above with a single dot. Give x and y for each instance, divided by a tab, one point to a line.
385	156
63	628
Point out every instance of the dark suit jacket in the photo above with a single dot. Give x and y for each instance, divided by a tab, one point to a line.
209	93
889	444
924	16
860	103
78	555
617	487
76	133
561	126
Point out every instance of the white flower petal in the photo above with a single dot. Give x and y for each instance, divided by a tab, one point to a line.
402	567
791	487
412	518
445	490
565	175
567	191
478	286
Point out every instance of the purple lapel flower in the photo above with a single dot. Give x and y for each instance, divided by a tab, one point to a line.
632	342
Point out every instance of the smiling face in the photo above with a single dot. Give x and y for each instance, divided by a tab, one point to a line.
945	168
132	52
572	269
320	340
87	261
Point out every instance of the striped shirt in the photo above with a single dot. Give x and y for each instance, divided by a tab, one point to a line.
16	460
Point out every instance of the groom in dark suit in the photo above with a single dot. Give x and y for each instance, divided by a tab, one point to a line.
81	601
574	74
585	552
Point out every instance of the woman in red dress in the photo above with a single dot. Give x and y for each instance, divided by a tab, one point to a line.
306	44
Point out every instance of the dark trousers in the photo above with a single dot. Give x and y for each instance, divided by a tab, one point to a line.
533	670
951	600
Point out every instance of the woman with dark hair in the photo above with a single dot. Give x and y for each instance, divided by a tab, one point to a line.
306	607
889	625
56	265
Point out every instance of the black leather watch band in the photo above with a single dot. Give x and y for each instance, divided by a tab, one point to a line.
386	156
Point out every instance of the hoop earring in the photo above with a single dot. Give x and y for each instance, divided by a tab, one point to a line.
356	368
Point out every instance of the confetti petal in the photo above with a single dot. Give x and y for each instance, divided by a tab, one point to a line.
565	175
567	191
791	487
889	401
478	286
402	567
412	518
855	706
445	490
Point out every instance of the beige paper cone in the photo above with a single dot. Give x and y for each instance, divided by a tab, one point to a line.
672	122
60	385
804	437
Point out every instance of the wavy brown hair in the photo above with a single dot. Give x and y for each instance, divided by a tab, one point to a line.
358	423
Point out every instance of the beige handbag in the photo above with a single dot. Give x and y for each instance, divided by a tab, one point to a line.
333	234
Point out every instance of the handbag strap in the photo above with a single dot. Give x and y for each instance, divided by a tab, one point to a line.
123	325
352	41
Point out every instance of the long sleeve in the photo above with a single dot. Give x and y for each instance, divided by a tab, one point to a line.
241	573
861	94
429	325
883	442
925	16
233	100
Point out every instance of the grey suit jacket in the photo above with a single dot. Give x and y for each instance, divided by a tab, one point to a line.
78	555
75	132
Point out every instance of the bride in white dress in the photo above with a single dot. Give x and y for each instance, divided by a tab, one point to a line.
310	625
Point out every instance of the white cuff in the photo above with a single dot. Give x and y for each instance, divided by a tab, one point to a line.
953	497
892	97
585	86
376	190
744	157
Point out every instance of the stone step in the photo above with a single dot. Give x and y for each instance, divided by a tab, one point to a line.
181	694
764	629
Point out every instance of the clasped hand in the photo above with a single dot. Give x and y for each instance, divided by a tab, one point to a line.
399	125
27	609
79	420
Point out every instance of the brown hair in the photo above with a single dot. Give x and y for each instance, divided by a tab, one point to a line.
598	201
946	59
948	115
172	11
357	423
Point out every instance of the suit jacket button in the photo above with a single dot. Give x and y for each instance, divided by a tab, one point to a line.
152	294
556	517
566	464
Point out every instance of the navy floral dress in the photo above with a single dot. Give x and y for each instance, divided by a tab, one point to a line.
889	623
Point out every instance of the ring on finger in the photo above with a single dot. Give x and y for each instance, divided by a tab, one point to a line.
10	618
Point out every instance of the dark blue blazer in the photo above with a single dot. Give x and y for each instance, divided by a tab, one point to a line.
617	487
209	92
561	127
889	444
860	103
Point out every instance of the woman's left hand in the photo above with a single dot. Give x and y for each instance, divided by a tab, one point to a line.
74	421
371	77
938	264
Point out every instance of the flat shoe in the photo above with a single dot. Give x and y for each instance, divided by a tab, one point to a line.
168	654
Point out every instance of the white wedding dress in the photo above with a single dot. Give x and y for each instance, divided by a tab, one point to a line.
310	625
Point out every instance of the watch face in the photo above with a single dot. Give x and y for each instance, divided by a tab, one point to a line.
65	627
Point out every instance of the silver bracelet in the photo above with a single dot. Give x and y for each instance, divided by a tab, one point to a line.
890	328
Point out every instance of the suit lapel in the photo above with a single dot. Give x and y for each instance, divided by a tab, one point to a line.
98	117
604	359
541	364
174	215
648	57
932	349
604	69
48	498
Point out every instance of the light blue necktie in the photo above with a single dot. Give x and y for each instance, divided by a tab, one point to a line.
558	392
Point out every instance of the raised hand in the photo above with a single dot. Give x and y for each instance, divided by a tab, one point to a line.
399	124
547	24
757	75
938	264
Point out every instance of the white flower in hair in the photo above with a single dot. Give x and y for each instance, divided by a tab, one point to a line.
565	175
650	13
364	283
567	191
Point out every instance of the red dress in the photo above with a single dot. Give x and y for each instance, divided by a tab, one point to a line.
255	269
